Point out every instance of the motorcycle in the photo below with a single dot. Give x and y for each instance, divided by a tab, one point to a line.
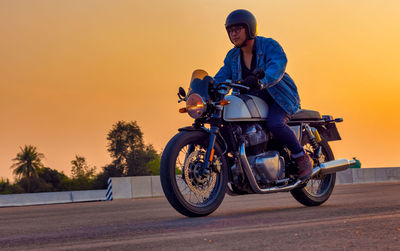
229	150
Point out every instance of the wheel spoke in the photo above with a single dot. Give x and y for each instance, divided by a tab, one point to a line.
196	189
317	186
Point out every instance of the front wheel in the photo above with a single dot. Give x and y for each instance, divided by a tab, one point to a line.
319	188
187	190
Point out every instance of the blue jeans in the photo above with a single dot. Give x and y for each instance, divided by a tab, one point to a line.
276	124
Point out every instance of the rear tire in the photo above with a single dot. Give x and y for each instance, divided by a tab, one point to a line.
318	189
189	193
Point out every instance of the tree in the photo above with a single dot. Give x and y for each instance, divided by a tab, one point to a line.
100	181
27	163
55	180
153	166
36	185
83	176
123	138
138	161
7	188
80	169
128	150
47	180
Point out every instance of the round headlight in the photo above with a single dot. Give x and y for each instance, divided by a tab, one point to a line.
195	106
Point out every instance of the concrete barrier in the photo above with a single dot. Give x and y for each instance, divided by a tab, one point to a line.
368	175
121	187
136	187
88	195
150	186
34	198
156	189
141	186
27	199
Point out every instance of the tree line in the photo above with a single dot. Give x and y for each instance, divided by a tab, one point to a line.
130	157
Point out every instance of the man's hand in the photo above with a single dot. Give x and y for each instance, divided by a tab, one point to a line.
252	82
259	73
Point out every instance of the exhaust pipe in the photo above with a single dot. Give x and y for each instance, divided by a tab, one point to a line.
324	168
333	166
252	180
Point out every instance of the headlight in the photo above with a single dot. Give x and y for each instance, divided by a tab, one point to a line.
195	106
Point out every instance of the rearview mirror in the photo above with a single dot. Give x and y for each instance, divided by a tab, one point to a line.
181	93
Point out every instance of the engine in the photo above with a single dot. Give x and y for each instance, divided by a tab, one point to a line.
255	137
267	166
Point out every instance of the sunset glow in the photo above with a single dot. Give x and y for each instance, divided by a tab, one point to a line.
71	69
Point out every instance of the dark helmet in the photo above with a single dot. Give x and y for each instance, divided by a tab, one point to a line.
243	17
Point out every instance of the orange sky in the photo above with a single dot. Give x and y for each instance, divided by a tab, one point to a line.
71	69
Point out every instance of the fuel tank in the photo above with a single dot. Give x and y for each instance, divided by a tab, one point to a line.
245	108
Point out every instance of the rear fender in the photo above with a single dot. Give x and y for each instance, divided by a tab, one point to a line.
329	131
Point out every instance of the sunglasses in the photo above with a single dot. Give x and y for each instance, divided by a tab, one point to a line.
235	29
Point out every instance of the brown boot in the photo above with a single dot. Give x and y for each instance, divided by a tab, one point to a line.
305	165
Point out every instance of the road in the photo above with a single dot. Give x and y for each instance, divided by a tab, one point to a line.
356	217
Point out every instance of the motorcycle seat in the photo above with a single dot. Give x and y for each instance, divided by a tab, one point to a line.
304	114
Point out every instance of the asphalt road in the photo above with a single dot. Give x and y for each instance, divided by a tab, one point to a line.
356	217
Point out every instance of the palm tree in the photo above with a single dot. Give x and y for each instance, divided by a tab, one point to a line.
27	163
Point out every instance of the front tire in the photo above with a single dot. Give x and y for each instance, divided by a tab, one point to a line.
186	190
318	189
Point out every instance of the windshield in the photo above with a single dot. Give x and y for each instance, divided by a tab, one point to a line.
199	83
200	74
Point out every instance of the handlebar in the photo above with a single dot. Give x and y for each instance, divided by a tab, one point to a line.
236	84
240	86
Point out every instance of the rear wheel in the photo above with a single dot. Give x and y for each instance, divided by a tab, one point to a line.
186	189
318	189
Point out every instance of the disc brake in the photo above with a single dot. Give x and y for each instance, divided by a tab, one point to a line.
198	184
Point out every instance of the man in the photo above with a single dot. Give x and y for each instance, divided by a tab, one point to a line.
253	52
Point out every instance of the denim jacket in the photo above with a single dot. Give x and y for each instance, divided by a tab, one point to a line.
272	59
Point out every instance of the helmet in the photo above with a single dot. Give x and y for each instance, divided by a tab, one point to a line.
242	17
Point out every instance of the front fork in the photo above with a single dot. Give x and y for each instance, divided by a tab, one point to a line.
214	131
210	150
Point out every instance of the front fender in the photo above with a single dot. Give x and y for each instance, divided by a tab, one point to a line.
192	128
220	140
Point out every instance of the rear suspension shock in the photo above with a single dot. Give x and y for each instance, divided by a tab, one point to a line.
314	138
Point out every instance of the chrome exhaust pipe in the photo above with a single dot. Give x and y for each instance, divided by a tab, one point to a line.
253	183
333	166
324	168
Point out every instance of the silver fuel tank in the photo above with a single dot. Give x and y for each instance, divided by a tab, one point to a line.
245	108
